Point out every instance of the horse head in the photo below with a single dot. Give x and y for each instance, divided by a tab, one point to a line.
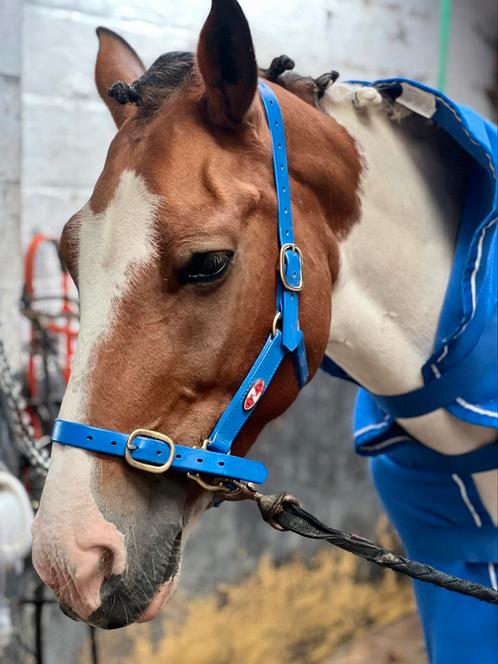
175	258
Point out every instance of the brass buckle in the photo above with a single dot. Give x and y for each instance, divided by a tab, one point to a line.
217	486
293	247
148	467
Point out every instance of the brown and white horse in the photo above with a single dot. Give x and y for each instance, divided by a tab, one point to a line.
174	257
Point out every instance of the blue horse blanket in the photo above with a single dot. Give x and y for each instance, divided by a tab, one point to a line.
431	498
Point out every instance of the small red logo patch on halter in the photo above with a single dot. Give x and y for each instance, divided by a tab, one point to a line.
254	394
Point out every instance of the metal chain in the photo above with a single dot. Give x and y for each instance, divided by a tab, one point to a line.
20	422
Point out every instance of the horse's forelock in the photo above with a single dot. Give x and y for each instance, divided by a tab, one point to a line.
168	73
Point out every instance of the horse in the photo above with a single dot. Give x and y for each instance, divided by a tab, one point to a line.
175	257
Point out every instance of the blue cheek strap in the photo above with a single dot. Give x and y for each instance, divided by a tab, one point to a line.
155	452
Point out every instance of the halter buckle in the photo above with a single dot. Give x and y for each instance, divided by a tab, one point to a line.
148	467
291	274
217	486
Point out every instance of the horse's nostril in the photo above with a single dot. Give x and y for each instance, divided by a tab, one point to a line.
106	560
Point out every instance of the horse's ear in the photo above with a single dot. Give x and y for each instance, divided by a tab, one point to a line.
226	61
116	61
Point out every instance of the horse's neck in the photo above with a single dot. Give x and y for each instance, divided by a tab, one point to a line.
395	264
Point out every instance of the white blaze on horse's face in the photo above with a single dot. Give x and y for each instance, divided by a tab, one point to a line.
113	246
75	546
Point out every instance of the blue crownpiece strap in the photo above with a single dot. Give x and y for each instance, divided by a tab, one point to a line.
155	452
290	260
280	167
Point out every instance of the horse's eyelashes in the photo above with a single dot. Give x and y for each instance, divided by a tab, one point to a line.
205	267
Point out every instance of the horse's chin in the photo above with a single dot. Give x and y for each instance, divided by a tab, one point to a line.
162	596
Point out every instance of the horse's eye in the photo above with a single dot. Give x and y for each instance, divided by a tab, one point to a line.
205	267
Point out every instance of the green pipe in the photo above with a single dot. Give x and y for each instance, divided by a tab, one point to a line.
444	42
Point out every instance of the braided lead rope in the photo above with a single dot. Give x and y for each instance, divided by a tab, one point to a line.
283	512
20	423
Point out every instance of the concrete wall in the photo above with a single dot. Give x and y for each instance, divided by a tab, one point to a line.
66	129
10	168
47	54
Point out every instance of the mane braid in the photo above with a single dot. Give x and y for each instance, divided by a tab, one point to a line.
157	84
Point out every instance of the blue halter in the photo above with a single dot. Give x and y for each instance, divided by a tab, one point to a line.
155	452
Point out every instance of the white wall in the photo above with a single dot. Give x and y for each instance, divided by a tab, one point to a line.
10	167
66	128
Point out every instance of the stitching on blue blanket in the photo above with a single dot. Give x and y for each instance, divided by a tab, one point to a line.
469	136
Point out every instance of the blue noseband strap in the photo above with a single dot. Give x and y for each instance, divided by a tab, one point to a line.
155	452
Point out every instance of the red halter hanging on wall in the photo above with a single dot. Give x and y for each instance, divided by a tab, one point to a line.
61	321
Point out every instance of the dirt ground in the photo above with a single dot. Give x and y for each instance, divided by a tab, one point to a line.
398	643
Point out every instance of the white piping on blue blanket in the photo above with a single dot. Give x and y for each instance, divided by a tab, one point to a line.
477	264
371	427
476	409
473	276
477	520
492	576
465	497
385	443
481	239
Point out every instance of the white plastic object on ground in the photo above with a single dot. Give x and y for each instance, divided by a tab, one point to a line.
16	517
5	625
